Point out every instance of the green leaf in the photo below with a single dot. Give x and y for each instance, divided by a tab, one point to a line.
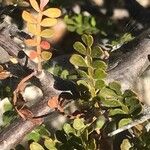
45	55
93	22
85	134
79	47
42	131
100	74
61	136
111	103
71	28
116	87
92	144
36	146
125	145
116	111
100	122
99	84
67	128
79	30
78	60
124	122
99	64
96	52
50	144
7	106
69	21
83	82
64	74
133	105
78	124
82	73
129	93
33	136
87	39
108	93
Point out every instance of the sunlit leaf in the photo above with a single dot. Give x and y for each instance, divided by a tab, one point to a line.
35	5
79	47
100	122
99	64
99	84
124	122
50	144
96	52
47	33
31	42
36	146
100	74
33	136
46	55
32	54
67	128
125	145
52	12
78	60
78	124
28	17
116	111
45	45
111	103
43	3
32	28
108	93
87	39
48	22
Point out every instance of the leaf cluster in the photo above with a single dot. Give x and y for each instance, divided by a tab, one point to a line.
81	24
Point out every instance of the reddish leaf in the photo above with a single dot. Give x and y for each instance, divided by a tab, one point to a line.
32	54
35	5
43	3
53	102
31	42
28	17
45	45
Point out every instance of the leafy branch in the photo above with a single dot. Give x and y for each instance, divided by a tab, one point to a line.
36	25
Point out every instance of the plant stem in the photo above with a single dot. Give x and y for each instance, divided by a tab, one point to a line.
39	41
